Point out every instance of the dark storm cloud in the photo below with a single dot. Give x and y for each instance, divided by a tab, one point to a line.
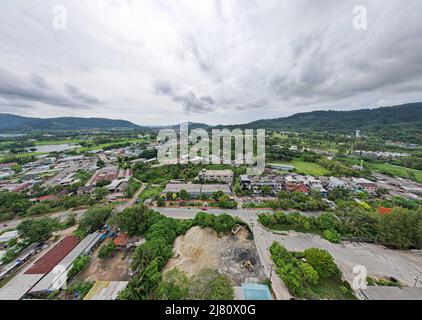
18	91
85	98
189	100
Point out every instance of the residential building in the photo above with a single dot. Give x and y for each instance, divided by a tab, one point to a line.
225	176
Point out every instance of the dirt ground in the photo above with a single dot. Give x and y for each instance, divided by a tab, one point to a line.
112	269
203	248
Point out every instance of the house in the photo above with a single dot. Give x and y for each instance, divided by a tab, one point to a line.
282	167
209	189
225	176
256	183
366	185
194	190
383	211
85	190
334	183
121	240
118	185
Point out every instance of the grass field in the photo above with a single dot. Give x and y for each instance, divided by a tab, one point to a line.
150	192
55	142
328	289
106	145
392	170
307	168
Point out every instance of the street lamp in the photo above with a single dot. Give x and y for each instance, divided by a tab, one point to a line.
417	280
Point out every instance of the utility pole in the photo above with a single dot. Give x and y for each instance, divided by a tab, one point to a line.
417	280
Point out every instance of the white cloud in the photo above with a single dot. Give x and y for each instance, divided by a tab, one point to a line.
226	61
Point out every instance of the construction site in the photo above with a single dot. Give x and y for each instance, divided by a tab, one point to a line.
234	255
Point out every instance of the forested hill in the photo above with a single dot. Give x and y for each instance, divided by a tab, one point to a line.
10	122
389	122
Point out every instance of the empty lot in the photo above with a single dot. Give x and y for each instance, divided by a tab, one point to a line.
378	260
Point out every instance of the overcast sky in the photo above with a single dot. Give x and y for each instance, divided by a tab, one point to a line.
219	62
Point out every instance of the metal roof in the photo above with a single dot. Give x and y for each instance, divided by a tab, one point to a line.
48	261
52	280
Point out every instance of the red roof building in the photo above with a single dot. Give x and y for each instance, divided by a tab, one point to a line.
383	211
121	239
52	258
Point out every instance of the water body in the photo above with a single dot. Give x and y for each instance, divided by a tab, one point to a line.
11	135
55	148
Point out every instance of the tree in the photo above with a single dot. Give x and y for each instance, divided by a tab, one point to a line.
94	219
100	164
80	264
107	250
102	183
322	262
266	190
17	168
184	195
38	230
331	236
226	203
209	284
174	286
308	273
100	193
161	202
133	220
292	279
217	195
400	228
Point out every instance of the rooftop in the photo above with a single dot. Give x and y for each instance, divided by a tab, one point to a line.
48	261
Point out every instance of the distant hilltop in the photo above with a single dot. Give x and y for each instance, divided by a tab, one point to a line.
9	122
394	122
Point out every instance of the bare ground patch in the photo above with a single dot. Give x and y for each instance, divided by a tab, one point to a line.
203	248
115	268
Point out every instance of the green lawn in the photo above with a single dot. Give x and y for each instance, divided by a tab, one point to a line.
287	228
328	289
402	172
56	142
106	145
150	192
307	168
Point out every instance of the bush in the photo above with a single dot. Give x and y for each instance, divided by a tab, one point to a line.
332	236
292	279
209	284
107	250
322	262
308	273
80	264
174	286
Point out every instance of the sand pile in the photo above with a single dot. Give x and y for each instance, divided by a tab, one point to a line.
196	250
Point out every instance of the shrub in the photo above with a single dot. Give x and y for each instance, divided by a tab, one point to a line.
322	262
332	236
80	264
308	273
107	250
